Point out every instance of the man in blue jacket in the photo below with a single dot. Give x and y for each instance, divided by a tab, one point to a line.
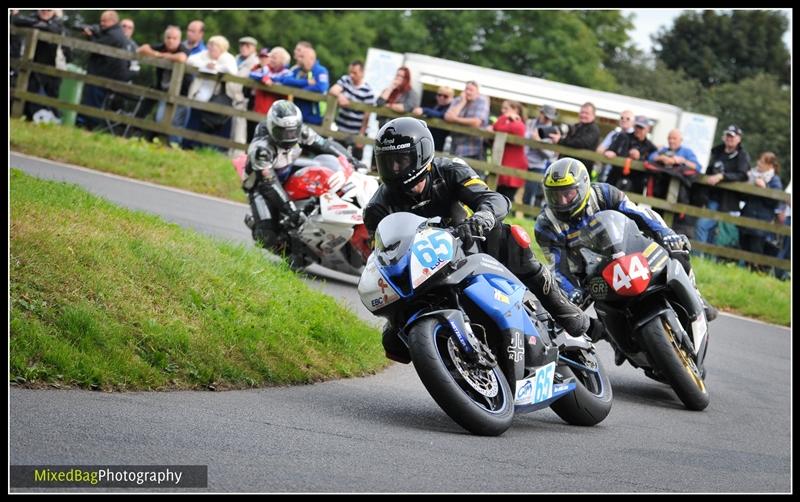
307	75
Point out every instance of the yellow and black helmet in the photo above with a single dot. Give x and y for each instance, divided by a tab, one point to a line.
566	188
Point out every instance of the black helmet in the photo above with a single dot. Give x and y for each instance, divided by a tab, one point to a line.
284	121
403	151
566	188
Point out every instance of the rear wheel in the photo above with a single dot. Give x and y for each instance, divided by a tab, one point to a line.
590	402
478	399
675	363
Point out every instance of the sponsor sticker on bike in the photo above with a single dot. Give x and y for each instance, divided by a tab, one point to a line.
537	388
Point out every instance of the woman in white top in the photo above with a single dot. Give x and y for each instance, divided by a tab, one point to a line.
214	60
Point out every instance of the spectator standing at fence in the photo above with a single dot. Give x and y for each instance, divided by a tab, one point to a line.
46	54
353	88
309	75
539	159
195	31
108	33
625	126
511	121
272	63
444	97
128	27
727	162
584	135
214	60
634	146
171	49
399	95
469	109
245	60
764	175
674	154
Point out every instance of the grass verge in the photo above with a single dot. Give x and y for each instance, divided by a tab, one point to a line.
206	171
104	297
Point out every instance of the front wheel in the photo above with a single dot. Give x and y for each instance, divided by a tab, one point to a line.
675	363
478	399
590	402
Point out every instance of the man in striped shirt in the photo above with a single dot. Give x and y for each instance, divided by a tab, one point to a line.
349	88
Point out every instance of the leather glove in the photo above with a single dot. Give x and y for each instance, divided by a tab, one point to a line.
596	330
260	157
676	243
478	224
296	218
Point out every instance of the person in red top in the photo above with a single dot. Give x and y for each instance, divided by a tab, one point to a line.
272	63
511	121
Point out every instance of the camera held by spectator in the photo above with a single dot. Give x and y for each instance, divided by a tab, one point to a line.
78	24
546	131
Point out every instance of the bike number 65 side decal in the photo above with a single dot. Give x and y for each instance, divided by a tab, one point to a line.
433	248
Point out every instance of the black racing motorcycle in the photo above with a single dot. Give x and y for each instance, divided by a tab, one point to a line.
651	310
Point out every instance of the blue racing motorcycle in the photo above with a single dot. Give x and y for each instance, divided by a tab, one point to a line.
480	341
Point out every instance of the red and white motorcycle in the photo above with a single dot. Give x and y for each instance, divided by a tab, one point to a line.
333	195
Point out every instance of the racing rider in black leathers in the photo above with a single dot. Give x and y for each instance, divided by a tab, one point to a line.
416	182
279	140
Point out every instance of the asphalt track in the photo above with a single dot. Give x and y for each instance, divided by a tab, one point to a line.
384	433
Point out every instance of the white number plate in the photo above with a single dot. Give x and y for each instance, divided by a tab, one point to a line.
537	388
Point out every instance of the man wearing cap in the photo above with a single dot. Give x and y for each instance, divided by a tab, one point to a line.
245	61
635	146
538	159
728	162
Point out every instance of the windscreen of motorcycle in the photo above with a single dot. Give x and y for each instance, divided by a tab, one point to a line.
394	236
606	231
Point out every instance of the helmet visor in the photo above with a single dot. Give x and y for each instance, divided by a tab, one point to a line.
562	198
398	169
285	136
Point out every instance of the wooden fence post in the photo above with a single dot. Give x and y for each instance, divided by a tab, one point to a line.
330	112
18	108
498	147
175	81
672	197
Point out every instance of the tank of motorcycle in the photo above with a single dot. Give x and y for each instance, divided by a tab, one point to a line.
311	181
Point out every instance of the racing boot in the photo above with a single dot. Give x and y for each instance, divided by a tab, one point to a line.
542	284
597	331
710	311
395	349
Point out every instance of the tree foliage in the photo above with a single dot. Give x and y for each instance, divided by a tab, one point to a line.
728	47
566	46
761	106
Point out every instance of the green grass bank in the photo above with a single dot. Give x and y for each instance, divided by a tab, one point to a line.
104	297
